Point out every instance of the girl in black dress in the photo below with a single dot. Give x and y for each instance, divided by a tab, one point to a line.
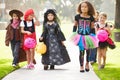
53	37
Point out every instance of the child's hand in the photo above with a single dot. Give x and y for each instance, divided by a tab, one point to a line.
40	39
28	33
7	44
37	23
62	42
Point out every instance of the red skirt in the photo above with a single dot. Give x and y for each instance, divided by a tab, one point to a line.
33	36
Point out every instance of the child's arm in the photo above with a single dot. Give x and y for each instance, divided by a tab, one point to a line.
7	38
92	26
75	23
75	26
60	34
43	34
25	32
92	22
37	23
96	27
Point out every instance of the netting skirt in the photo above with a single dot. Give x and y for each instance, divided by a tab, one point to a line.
85	42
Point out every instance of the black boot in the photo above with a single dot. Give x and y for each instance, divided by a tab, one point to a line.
45	67
52	67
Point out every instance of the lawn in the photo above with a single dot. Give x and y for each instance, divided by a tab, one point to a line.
5	67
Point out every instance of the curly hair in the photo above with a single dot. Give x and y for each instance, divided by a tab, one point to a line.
91	10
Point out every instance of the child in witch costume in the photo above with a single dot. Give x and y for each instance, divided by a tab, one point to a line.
53	37
28	29
103	31
13	35
85	37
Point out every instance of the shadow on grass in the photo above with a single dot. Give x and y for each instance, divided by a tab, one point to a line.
110	72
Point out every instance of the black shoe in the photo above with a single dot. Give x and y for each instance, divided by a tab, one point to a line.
82	71
87	70
52	67
45	67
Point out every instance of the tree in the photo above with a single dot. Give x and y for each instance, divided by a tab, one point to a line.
117	15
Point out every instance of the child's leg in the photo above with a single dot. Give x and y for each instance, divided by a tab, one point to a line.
81	60
99	57
104	55
87	56
87	60
16	52
28	56
32	54
12	48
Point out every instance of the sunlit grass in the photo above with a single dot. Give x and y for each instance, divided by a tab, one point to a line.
5	67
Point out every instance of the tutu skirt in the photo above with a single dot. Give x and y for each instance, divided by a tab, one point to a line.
85	42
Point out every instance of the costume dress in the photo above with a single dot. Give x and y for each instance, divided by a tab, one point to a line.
85	37
28	27
56	52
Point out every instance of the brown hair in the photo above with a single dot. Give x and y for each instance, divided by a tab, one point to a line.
91	10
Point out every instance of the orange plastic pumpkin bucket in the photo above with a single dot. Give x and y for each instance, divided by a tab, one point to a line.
41	48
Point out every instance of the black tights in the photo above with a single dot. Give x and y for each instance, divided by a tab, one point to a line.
81	57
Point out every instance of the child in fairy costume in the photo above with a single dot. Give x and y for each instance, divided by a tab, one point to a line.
85	37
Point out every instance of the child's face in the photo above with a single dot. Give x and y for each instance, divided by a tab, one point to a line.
30	17
15	17
50	17
102	19
84	8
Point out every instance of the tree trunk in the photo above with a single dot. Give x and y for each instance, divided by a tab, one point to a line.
117	15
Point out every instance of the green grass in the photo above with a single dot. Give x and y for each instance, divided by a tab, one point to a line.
5	67
112	68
